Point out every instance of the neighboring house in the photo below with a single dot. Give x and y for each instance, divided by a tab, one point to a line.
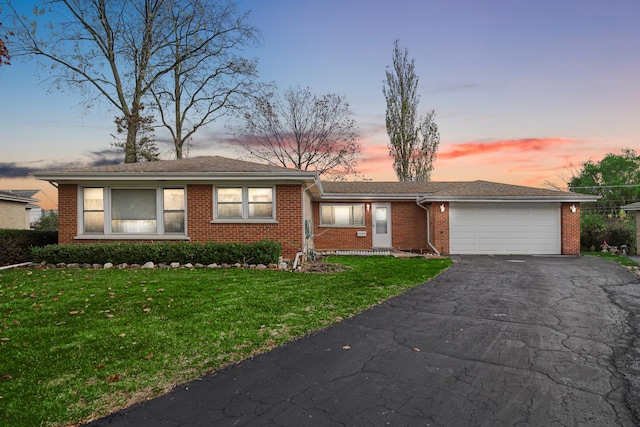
15	210
36	211
635	207
220	199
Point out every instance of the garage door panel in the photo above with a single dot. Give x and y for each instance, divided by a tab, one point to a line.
504	228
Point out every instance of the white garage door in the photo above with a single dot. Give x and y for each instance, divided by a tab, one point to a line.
504	228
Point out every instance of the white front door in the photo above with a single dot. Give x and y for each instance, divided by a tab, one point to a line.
381	225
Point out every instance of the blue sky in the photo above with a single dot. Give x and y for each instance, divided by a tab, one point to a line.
522	89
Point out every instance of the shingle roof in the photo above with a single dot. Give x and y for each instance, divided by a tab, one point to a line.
193	164
217	167
15	197
443	190
384	187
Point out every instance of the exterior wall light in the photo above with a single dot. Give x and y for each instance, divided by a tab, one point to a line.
442	208
573	208
367	206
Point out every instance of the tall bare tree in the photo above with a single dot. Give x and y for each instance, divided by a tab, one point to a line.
208	76
413	142
124	49
146	147
302	131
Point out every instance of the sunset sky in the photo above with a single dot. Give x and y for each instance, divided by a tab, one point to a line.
522	89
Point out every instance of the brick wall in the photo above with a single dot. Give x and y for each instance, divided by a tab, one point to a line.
408	226
440	226
288	230
570	229
408	229
67	213
329	238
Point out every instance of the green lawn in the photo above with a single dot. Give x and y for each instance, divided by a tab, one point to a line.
79	344
620	259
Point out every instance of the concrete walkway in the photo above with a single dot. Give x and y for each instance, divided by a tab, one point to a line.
494	341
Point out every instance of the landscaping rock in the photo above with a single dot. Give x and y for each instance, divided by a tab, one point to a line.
148	265
108	266
188	265
261	267
175	264
214	265
97	266
198	265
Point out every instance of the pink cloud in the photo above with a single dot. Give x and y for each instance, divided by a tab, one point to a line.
518	145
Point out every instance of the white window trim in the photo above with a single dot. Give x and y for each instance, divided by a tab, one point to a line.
109	235
245	206
364	218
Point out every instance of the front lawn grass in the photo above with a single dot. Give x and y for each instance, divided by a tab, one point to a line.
620	259
78	344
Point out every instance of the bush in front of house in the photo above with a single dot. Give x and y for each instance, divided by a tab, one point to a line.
264	252
595	229
16	245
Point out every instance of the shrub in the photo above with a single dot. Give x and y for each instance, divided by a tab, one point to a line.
16	245
620	232
592	228
264	252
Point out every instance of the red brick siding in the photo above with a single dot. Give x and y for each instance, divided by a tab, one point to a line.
570	229
408	226
288	230
67	213
328	238
408	229
440	226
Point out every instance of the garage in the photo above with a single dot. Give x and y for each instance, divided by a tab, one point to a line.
504	228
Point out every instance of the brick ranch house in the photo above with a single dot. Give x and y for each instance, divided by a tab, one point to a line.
220	199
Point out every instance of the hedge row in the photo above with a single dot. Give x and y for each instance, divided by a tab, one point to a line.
264	252
16	245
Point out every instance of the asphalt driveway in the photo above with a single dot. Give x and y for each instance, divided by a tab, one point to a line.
494	341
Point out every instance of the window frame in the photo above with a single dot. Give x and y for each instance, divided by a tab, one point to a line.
351	215
245	203
108	233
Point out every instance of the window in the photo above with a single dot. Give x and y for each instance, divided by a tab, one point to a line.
93	209
342	215
173	205
244	203
130	211
133	211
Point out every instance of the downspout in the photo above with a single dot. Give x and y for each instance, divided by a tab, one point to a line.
307	243
428	228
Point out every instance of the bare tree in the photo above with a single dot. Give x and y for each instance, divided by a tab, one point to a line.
123	49
146	147
5	57
302	131
208	77
413	142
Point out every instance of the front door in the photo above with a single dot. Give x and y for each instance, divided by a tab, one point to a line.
381	223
